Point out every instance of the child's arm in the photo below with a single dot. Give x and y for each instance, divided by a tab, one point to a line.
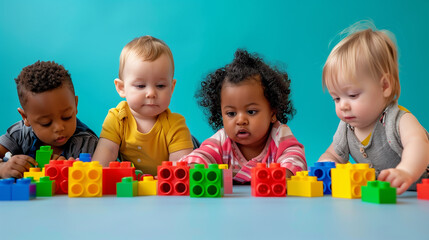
415	156
331	156
16	165
175	156
106	152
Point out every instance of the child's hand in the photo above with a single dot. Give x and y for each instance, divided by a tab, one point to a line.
398	178
16	166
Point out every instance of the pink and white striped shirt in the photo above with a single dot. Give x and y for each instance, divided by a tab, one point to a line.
281	147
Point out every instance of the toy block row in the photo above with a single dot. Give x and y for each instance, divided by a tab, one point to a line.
268	181
23	189
130	188
181	180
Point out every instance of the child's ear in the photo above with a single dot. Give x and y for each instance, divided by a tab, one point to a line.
386	85
24	117
119	84
273	117
173	84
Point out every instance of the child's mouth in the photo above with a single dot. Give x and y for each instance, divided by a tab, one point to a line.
61	139
242	134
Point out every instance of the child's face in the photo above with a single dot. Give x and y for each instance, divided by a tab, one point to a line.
246	113
147	86
361	103
52	115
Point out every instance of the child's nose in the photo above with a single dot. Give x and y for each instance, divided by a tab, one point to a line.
58	127
150	93
242	119
344	105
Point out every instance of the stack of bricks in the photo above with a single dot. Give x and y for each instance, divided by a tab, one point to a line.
114	174
173	180
206	182
347	179
268	182
85	179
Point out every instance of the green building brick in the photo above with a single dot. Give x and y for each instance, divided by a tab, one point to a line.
206	182
127	188
45	187
378	192
43	155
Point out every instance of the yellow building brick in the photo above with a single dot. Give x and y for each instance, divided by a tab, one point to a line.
304	186
85	179
148	186
347	179
36	173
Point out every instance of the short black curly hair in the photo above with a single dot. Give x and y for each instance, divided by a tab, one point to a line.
276	84
41	77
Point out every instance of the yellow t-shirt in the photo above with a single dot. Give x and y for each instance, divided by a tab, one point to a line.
146	150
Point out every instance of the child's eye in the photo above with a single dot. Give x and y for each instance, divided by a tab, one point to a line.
336	99
231	114
353	95
160	86
45	124
252	112
140	86
67	118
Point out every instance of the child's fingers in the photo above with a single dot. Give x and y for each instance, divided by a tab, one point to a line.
15	174
402	188
383	175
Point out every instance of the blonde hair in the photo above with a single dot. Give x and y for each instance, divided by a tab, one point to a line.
147	48
364	49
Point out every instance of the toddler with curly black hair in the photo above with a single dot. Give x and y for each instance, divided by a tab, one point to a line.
250	100
49	108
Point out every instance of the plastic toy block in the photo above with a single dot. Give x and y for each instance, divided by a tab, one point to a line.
227	178
173	180
378	192
85	179
58	170
23	189
268	182
45	187
85	157
43	155
6	189
322	170
127	188
147	186
36	173
206	182
140	175
304	186
114	174
347	179
423	189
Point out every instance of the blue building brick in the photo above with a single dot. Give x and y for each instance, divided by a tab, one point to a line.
322	170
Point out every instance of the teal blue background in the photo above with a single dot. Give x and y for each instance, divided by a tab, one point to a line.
88	36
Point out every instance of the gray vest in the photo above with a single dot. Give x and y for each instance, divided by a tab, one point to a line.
384	149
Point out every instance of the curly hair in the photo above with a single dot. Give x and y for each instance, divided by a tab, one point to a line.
275	82
41	77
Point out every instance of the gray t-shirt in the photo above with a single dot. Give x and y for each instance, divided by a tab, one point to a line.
20	139
384	149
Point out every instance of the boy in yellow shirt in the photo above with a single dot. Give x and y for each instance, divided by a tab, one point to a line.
142	129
